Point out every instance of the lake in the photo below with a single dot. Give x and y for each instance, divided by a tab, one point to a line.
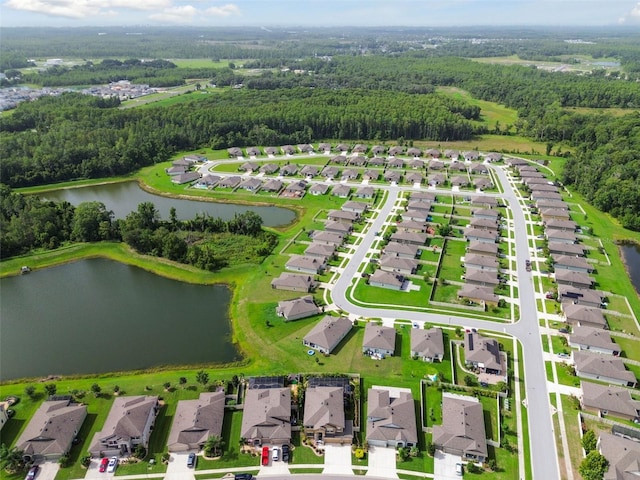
95	316
631	256
123	198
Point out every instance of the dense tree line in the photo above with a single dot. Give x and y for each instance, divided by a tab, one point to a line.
28	223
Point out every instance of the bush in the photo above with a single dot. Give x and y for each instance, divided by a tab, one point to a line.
85	461
358	453
589	441
140	452
64	461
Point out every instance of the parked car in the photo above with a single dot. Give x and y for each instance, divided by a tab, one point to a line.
112	465
563	330
33	471
103	465
285	453
275	454
265	455
243	476
459	470
191	460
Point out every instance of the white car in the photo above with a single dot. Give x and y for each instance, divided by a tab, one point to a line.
113	463
275	455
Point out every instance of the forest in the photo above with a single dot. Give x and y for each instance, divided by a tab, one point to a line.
29	223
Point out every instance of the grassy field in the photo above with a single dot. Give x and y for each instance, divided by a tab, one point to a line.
490	112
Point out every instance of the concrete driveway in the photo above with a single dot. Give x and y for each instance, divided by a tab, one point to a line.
177	468
337	459
48	471
382	462
444	466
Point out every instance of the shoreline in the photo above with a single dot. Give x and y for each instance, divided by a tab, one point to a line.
623	258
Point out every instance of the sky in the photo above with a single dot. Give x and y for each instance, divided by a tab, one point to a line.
266	13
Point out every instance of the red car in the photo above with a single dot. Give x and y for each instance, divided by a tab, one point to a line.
265	455
103	464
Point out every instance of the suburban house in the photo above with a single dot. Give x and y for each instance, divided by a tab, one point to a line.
269	168
414	152
378	149
207	181
403	250
328	238
288	149
560	236
51	430
478	294
414	177
379	340
484	223
305	148
310	170
266	417
623	455
412	226
420	204
253	151
573	279
543	187
593	339
371	174
324	417
295	189
359	148
272	185
397	150
462	431
493	157
432	152
324	147
342	147
293	282
436	164
428	345
416	164
364	192
479	169
482	183
604	368
329	172
411	238
376	162
566	262
580	296
476	247
554	214
230	182
349	174
540	195
473	276
516	162
391	418
471	155
327	334
297	308
389	280
319	189
395	163
392	176
4	416
251	185
403	266
566	225
176	169
249	167
609	400
195	421
234	152
483	353
484	202
552	204
304	264
585	316
487	214
479	235
320	250
271	151
128	425
340	228
563	248
186	177
481	262
355	207
288	170
435	179
194	158
457	167
341	191
459	181
416	215
357	161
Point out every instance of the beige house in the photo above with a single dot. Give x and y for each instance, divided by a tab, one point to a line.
379	340
428	345
327	334
266	417
606	400
391	418
195	421
324	417
297	308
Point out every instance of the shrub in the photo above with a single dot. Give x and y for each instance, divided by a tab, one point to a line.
140	452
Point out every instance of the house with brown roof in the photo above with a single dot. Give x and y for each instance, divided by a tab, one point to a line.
383	279
288	149
427	345
230	182
543	187
293	282
50	432
356	207
563	248
329	172
318	189
379	340
462	431
392	176
324	147
349	174
540	195
376	162
397	150
371	174
341	191
414	152
484	223
411	238
234	152
450	153
474	276
606	400
459	181
576	314
395	163
342	147
364	192
295	189
487	214
320	250
457	167
357	161
566	225
484	201
593	339
271	151
420	204
403	250
515	162
623	455
435	179
573	279
407	225
554	214
482	248
186	177
249	167
471	155
266	417
251	185
327	334
339	159
289	169
341	228
272	185
309	171
269	168
576	264
195	421
482	183
128	425
253	151
413	178
305	148
297	308
324	417
560	236
478	294
416	164
328	238
580	296
481	262
391	418
378	149
432	152
483	353
398	265
304	264
478	169
558	204
493	157
207	181
604	368
436	164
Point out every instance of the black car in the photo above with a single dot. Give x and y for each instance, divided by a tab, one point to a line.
33	471
243	476
285	453
191	460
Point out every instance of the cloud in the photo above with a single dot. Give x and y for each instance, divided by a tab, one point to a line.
82	8
633	16
181	14
224	11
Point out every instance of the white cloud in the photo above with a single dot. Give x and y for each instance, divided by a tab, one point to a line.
633	16
224	11
181	14
82	8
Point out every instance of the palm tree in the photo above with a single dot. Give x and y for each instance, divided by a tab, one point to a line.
213	446
11	459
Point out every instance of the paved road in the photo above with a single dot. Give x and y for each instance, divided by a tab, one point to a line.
543	447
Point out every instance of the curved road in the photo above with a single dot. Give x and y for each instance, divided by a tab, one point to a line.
544	457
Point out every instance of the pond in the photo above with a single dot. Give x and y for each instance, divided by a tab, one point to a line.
123	198
95	316
631	257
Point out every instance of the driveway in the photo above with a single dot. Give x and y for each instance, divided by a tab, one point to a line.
337	459
382	462
177	468
48	470
444	466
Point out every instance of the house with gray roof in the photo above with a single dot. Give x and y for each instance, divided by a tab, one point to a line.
604	368
253	151
266	417
272	185
392	176
339	159
541	195
397	150
304	264
310	170
324	147
356	207
459	181
484	223
288	170
450	153
573	279
297	308
371	174
342	147
230	182
416	164
566	225
436	164
347	216
320	250
393	162
329	172
364	192
478	169
50	432
195	421
341	191
481	235
482	248
576	314
128	425
435	179
176	170
186	177
427	345
474	276
359	148
554	214
207	181
269	168
389	280
319	189
288	149
593	339
487	214
328	238
398	265
516	162
379	340
408	225
349	174
251	185
432	152
563	248
580	296
295	189
271	151
420	204
482	183
234	152
341	228
249	167
324	417
481	262
483	353
493	157
462	431
376	162
378	149
484	201
560	236
457	167
402	250
478	294
471	155
558	204
623	455
391	418
543	187
416	215
293	282
609	400
413	178
327	334
567	262
411	238
414	152
305	148
424	196
358	161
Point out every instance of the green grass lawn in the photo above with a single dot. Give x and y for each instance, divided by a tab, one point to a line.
630	347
